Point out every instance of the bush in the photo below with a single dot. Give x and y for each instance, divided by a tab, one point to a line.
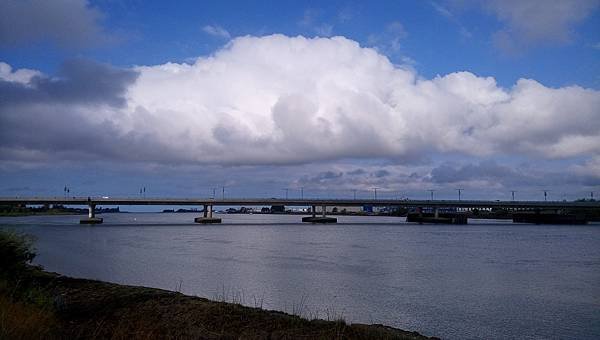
16	253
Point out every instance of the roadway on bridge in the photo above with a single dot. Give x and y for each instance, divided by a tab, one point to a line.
298	202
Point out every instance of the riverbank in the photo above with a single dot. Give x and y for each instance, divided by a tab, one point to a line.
35	304
79	308
18	211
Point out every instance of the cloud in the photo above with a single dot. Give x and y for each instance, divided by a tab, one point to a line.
289	100
590	169
79	81
67	116
216	31
69	23
537	22
310	20
491	174
389	41
22	76
448	14
483	171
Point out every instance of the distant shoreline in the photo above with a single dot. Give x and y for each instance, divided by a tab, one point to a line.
42	211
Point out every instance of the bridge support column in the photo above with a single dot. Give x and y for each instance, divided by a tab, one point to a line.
92	219
207	216
321	219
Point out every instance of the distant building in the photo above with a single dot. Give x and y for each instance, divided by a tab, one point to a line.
338	210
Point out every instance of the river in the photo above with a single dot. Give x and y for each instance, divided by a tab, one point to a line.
485	280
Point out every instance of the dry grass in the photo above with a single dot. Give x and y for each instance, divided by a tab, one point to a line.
87	309
20	320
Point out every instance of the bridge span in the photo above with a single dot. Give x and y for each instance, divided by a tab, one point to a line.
208	203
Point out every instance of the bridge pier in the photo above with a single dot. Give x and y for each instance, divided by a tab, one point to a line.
207	216
92	219
320	219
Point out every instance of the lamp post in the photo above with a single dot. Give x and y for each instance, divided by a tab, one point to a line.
459	191
375	193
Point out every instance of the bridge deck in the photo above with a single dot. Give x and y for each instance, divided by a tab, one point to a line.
297	202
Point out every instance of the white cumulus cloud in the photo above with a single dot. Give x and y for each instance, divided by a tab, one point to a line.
22	76
216	31
289	100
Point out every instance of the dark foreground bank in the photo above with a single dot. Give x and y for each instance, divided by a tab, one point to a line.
78	308
35	304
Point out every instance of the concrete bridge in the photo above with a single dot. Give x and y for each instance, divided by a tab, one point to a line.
209	203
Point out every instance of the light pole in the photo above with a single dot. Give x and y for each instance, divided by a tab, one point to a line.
513	195
286	193
375	192
223	192
431	191
459	191
301	193
545	195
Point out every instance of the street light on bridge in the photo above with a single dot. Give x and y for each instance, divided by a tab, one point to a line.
431	191
459	191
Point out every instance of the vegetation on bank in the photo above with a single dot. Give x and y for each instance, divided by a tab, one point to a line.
39	305
15	210
25	309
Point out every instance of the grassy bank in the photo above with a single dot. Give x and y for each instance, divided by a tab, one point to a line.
39	305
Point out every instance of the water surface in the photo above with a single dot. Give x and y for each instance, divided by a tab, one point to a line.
488	279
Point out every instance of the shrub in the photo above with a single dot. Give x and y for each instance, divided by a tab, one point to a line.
16	253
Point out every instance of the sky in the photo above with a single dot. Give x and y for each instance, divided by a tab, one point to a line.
331	98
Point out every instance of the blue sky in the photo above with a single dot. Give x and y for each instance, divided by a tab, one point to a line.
491	96
154	32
